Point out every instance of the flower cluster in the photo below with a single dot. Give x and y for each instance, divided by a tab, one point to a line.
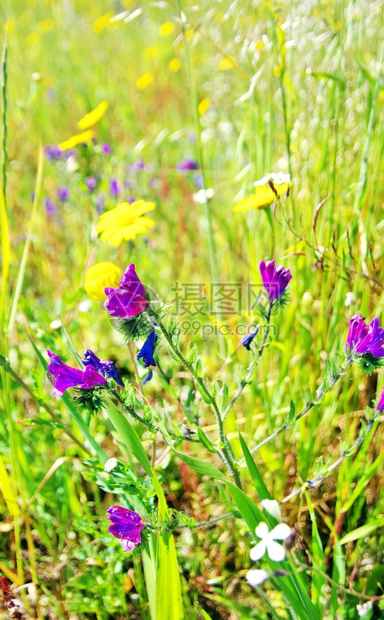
96	373
126	526
365	339
129	298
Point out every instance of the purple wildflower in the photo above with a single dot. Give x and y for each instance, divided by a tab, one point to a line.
100	201
131	199
247	340
114	188
91	183
363	338
63	193
65	377
105	148
129	299
104	367
137	166
187	164
52	152
275	279
380	404
147	350
126	526
50	207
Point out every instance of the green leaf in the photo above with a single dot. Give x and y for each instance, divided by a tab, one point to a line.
318	578
128	434
254	472
251	514
362	531
207	443
168	589
203	467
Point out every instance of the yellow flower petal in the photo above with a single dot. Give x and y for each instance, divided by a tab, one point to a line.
99	276
175	65
80	138
204	105
93	117
145	80
166	29
125	221
264	195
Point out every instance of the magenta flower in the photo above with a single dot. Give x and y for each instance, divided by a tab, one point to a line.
65	377
275	279
187	164
104	367
126	525
363	338
380	404
129	299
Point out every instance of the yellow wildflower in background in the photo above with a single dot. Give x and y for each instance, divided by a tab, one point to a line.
204	105
93	117
175	65
166	29
264	194
101	22
46	26
80	138
125	221
33	38
226	63
99	276
152	51
145	80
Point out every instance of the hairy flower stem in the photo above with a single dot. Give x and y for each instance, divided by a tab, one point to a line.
307	407
252	366
225	453
351	451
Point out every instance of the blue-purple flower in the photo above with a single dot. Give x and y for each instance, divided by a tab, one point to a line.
65	377
50	207
247	340
187	164
147	350
63	193
129	299
91	183
137	166
365	339
275	279
105	367
114	188
53	152
126	526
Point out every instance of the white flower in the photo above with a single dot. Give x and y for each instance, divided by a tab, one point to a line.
272	506
110	465
277	178
203	195
363	609
276	552
257	577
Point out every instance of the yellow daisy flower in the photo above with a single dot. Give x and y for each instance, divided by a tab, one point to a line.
125	221
93	117
99	276
80	138
264	195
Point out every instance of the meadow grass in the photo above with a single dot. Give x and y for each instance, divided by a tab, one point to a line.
243	88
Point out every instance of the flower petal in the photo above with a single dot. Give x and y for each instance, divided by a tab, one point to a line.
258	551
276	551
262	530
256	577
280	532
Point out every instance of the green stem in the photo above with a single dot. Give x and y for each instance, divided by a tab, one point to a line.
225	453
254	363
4	118
307	407
200	157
